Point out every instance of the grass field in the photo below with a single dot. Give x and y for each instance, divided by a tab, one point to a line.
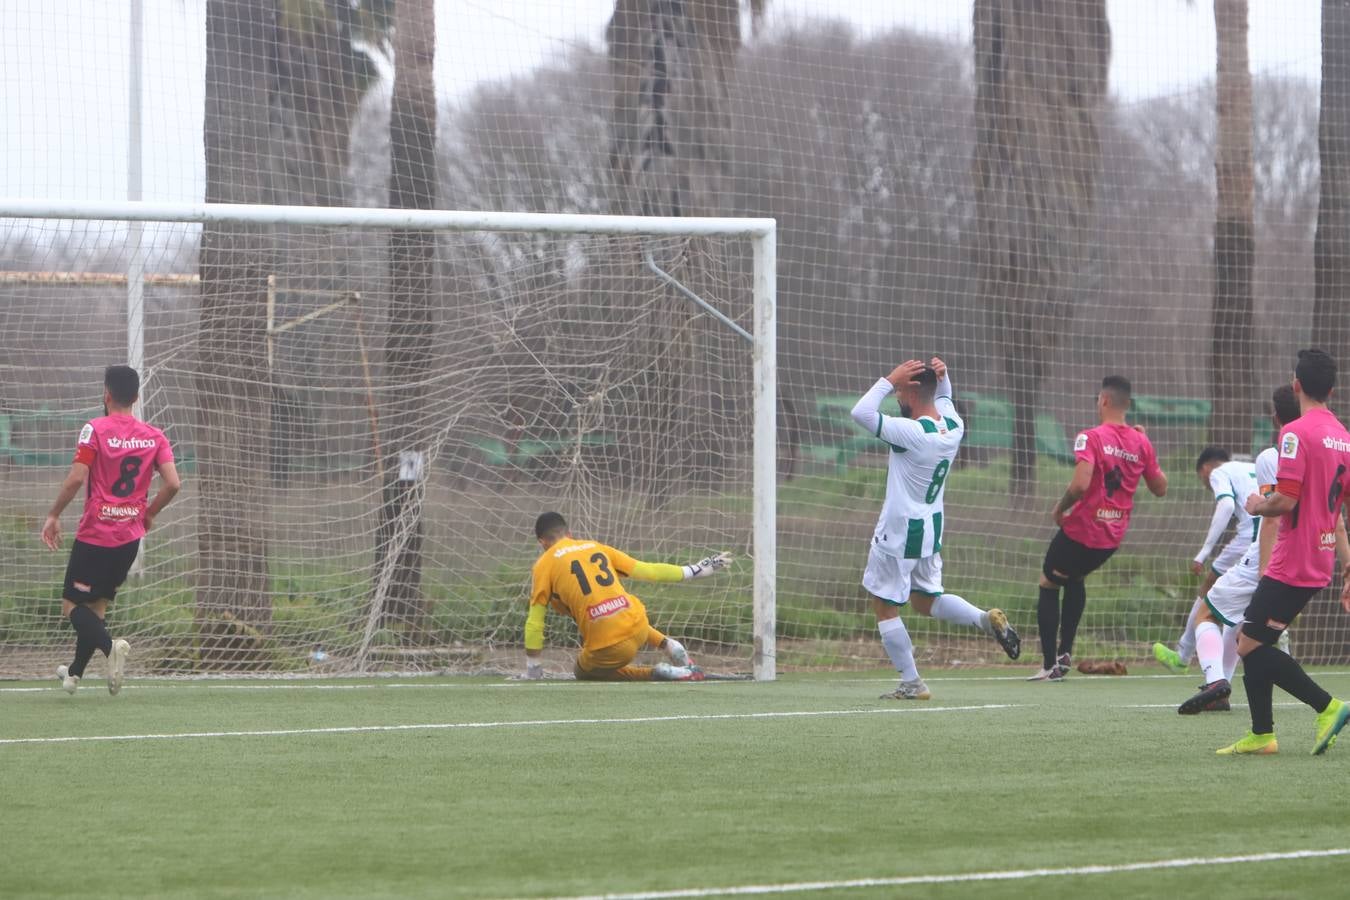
478	788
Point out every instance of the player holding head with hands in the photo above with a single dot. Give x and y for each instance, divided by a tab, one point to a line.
115	458
581	579
904	564
1313	476
1093	516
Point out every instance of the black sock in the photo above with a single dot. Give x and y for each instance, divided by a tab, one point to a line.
1075	600
1283	670
1260	691
1047	621
90	635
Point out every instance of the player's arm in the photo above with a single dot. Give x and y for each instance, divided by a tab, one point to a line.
627	566
1154	477
70	486
540	591
169	486
1078	485
942	397
1224	508
1265	541
1281	501
1343	554
867	411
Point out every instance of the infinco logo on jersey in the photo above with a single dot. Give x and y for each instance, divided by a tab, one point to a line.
1333	443
1112	450
131	443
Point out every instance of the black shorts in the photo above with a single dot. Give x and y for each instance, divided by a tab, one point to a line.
1072	558
1273	606
95	573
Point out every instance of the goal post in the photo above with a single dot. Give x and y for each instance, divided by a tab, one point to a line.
751	287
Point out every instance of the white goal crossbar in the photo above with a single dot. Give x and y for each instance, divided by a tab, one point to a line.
762	233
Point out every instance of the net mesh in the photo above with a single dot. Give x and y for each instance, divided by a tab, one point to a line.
1028	190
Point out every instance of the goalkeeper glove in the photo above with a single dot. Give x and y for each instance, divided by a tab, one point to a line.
707	565
533	670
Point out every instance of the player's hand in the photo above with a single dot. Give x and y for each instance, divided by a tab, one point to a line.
708	565
1253	503
1058	514
904	374
1345	596
148	519
1139	428
938	366
51	533
1197	568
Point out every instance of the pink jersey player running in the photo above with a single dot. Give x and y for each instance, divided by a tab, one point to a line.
115	458
1093	516
1311	483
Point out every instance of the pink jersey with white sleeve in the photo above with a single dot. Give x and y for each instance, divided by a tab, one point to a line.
1120	456
122	453
1315	453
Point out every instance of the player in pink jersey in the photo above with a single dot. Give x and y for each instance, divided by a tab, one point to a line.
116	456
1313	476
1093	516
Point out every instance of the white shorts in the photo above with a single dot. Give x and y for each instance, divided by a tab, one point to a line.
893	579
1229	597
1231	554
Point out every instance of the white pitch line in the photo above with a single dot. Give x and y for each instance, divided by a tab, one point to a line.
1007	875
526	723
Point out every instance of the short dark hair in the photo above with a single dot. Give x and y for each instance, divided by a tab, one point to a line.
926	382
1285	404
1212	454
123	383
550	525
1117	387
1316	372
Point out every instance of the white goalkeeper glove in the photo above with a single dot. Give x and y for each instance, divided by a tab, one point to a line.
533	670
707	565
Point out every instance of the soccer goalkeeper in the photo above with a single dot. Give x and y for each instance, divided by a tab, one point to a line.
581	578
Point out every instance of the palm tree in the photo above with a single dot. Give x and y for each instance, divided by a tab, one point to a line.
1040	71
1331	248
671	63
326	59
408	343
1231	380
231	376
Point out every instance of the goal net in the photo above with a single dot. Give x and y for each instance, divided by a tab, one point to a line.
364	450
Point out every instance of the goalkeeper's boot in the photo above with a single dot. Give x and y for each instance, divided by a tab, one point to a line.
69	682
1253	744
1330	721
666	672
909	690
1209	694
1061	668
1004	633
117	664
1170	659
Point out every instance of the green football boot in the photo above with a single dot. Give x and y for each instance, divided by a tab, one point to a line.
1330	721
1256	744
1170	659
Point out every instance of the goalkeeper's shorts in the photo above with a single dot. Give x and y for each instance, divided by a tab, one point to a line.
616	656
893	579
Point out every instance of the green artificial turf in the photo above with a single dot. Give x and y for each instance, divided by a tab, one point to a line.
1062	775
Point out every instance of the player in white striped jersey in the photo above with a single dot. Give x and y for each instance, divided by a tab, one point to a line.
905	565
1232	482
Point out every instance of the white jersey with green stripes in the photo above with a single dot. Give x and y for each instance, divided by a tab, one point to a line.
921	454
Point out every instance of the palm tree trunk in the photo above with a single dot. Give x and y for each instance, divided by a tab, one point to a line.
1231	378
1040	70
408	345
231	379
1331	247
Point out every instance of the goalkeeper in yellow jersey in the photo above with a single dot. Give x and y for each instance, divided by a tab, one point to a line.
581	579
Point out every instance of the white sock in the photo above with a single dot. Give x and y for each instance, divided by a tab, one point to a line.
1230	654
954	609
1186	643
895	638
1209	646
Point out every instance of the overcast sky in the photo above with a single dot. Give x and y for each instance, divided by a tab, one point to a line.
63	69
